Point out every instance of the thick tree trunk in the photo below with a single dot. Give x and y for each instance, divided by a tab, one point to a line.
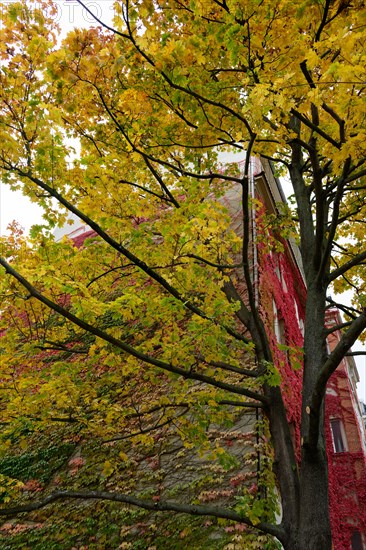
305	504
284	461
312	530
305	515
314	525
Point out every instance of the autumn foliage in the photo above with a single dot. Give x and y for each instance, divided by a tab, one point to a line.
154	335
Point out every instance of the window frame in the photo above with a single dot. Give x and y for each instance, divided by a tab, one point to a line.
339	438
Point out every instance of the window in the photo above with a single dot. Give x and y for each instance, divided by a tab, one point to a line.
279	326
278	271
327	346
338	436
356	541
299	320
280	332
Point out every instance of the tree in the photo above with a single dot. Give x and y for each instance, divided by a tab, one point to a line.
152	101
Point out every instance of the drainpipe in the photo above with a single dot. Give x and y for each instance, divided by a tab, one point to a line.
254	231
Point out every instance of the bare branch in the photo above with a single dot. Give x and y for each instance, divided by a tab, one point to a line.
101	22
337	327
358	259
348	310
149	429
334	359
212	264
231	368
315	128
246	404
355	353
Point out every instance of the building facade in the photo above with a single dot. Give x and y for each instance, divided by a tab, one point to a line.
346	444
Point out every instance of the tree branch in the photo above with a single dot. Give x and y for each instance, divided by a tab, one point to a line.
334	359
324	267
324	21
337	327
246	404
150	429
348	265
168	367
171	84
159	506
101	22
231	368
212	264
338	119
124	251
348	310
315	128
244	315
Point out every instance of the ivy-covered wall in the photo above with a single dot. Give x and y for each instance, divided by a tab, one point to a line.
282	297
347	470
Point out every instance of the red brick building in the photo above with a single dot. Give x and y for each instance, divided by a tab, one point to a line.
346	451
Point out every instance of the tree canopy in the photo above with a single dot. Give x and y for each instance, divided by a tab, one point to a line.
124	127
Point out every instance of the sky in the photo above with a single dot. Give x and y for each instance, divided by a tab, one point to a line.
14	206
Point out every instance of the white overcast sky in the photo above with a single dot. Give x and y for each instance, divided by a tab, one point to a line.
14	206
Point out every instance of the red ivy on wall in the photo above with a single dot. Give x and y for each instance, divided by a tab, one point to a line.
282	297
347	470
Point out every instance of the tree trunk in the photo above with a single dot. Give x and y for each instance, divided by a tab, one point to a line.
314	522
312	530
314	527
